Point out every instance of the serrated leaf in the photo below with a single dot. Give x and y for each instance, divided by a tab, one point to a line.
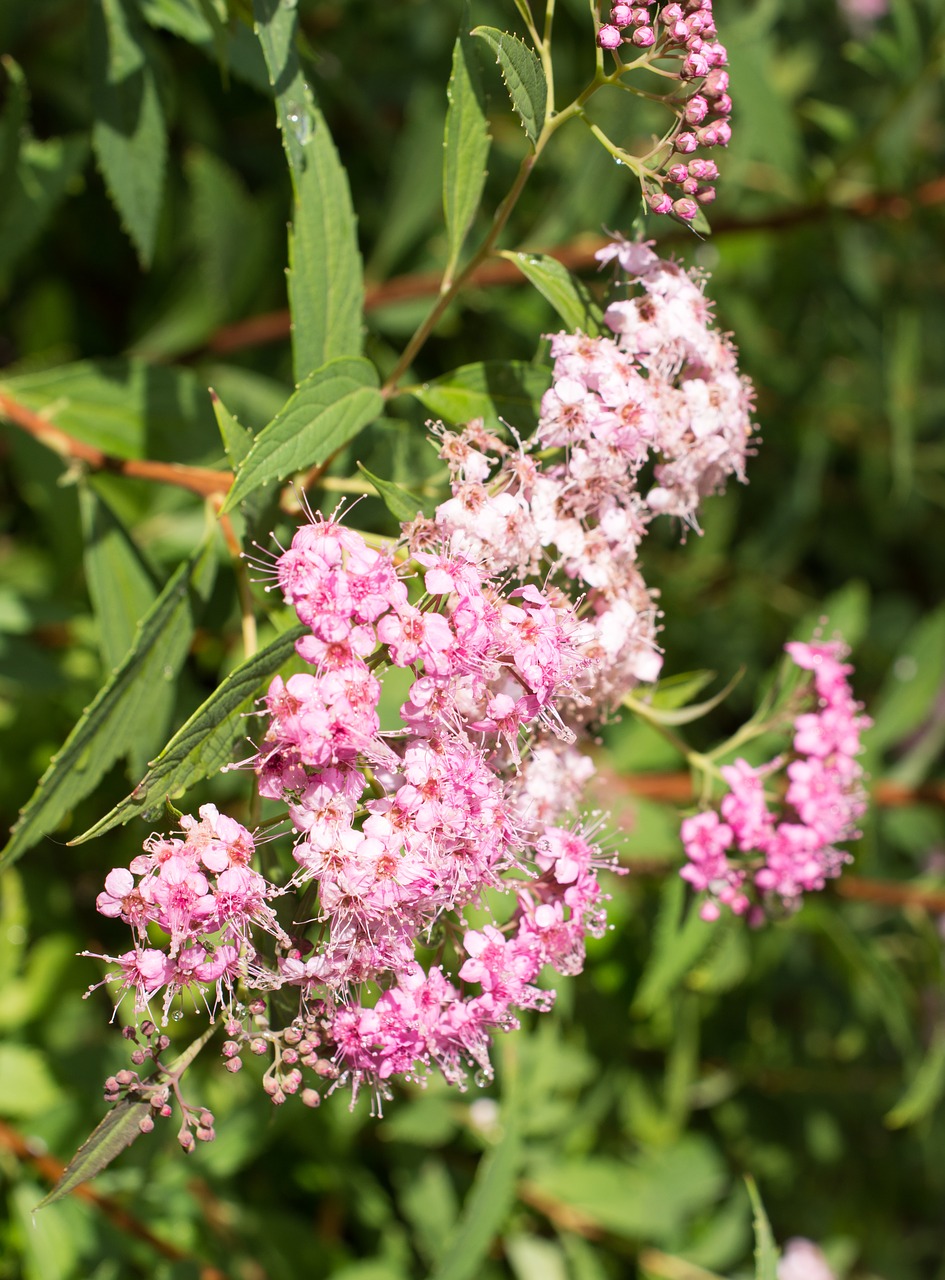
925	1089
495	390
120	584
125	407
129	135
237	439
205	743
466	142
326	286
329	408
117	1131
523	76
569	296
41	178
401	503
114	721
766	1252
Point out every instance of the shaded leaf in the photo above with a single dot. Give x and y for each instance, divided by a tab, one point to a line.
465	144
205	743
486	1208
326	411
326	288
41	178
925	1089
494	390
766	1252
117	1131
114	721
120	584
678	945
569	296
125	407
129	135
400	502
523	76
12	119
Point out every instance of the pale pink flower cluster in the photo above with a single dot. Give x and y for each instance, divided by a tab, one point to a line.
661	398
753	853
803	1260
684	33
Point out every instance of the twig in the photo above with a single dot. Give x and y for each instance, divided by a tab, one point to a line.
578	256
51	1169
200	480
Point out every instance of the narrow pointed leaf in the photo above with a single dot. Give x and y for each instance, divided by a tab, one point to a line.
495	390
523	76
120	584
325	412
766	1252
128	134
12	119
326	286
41	179
684	715
569	296
400	502
121	711
487	1206
237	439
117	1131
925	1089
206	742
465	144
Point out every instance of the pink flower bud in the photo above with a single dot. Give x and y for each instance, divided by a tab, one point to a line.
640	17
311	1097
643	37
705	195
708	136
685	209
696	109
680	31
694	67
723	132
678	173
609	38
234	1065
671	13
723	105
146	1124
186	1140
686	142
707	170
690	187
716	83
659	202
621	15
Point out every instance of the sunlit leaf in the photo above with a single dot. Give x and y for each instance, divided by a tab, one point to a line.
465	143
523	76
569	296
497	391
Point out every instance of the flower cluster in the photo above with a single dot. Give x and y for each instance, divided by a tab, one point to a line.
685	35
750	852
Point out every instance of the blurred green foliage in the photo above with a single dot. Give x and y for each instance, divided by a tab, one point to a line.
143	209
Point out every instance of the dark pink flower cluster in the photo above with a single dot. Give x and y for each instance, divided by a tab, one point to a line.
684	34
755	852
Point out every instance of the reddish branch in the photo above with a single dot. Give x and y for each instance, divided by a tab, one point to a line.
200	480
579	256
51	1169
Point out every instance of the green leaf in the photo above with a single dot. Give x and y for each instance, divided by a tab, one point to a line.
905	701
766	1252
523	76
117	1131
326	411
569	296
495	390
677	948
925	1089
43	175
122	709
466	142
648	1197
237	439
129	135
205	743
401	503
125	407
27	1089
326	288
12	120
487	1207
120	584
657	714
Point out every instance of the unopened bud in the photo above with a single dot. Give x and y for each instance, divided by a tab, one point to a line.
230	1049
126	1077
685	209
311	1097
258	1046
643	37
292	1081
234	1065
290	1056
609	37
186	1140
292	1035
146	1124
